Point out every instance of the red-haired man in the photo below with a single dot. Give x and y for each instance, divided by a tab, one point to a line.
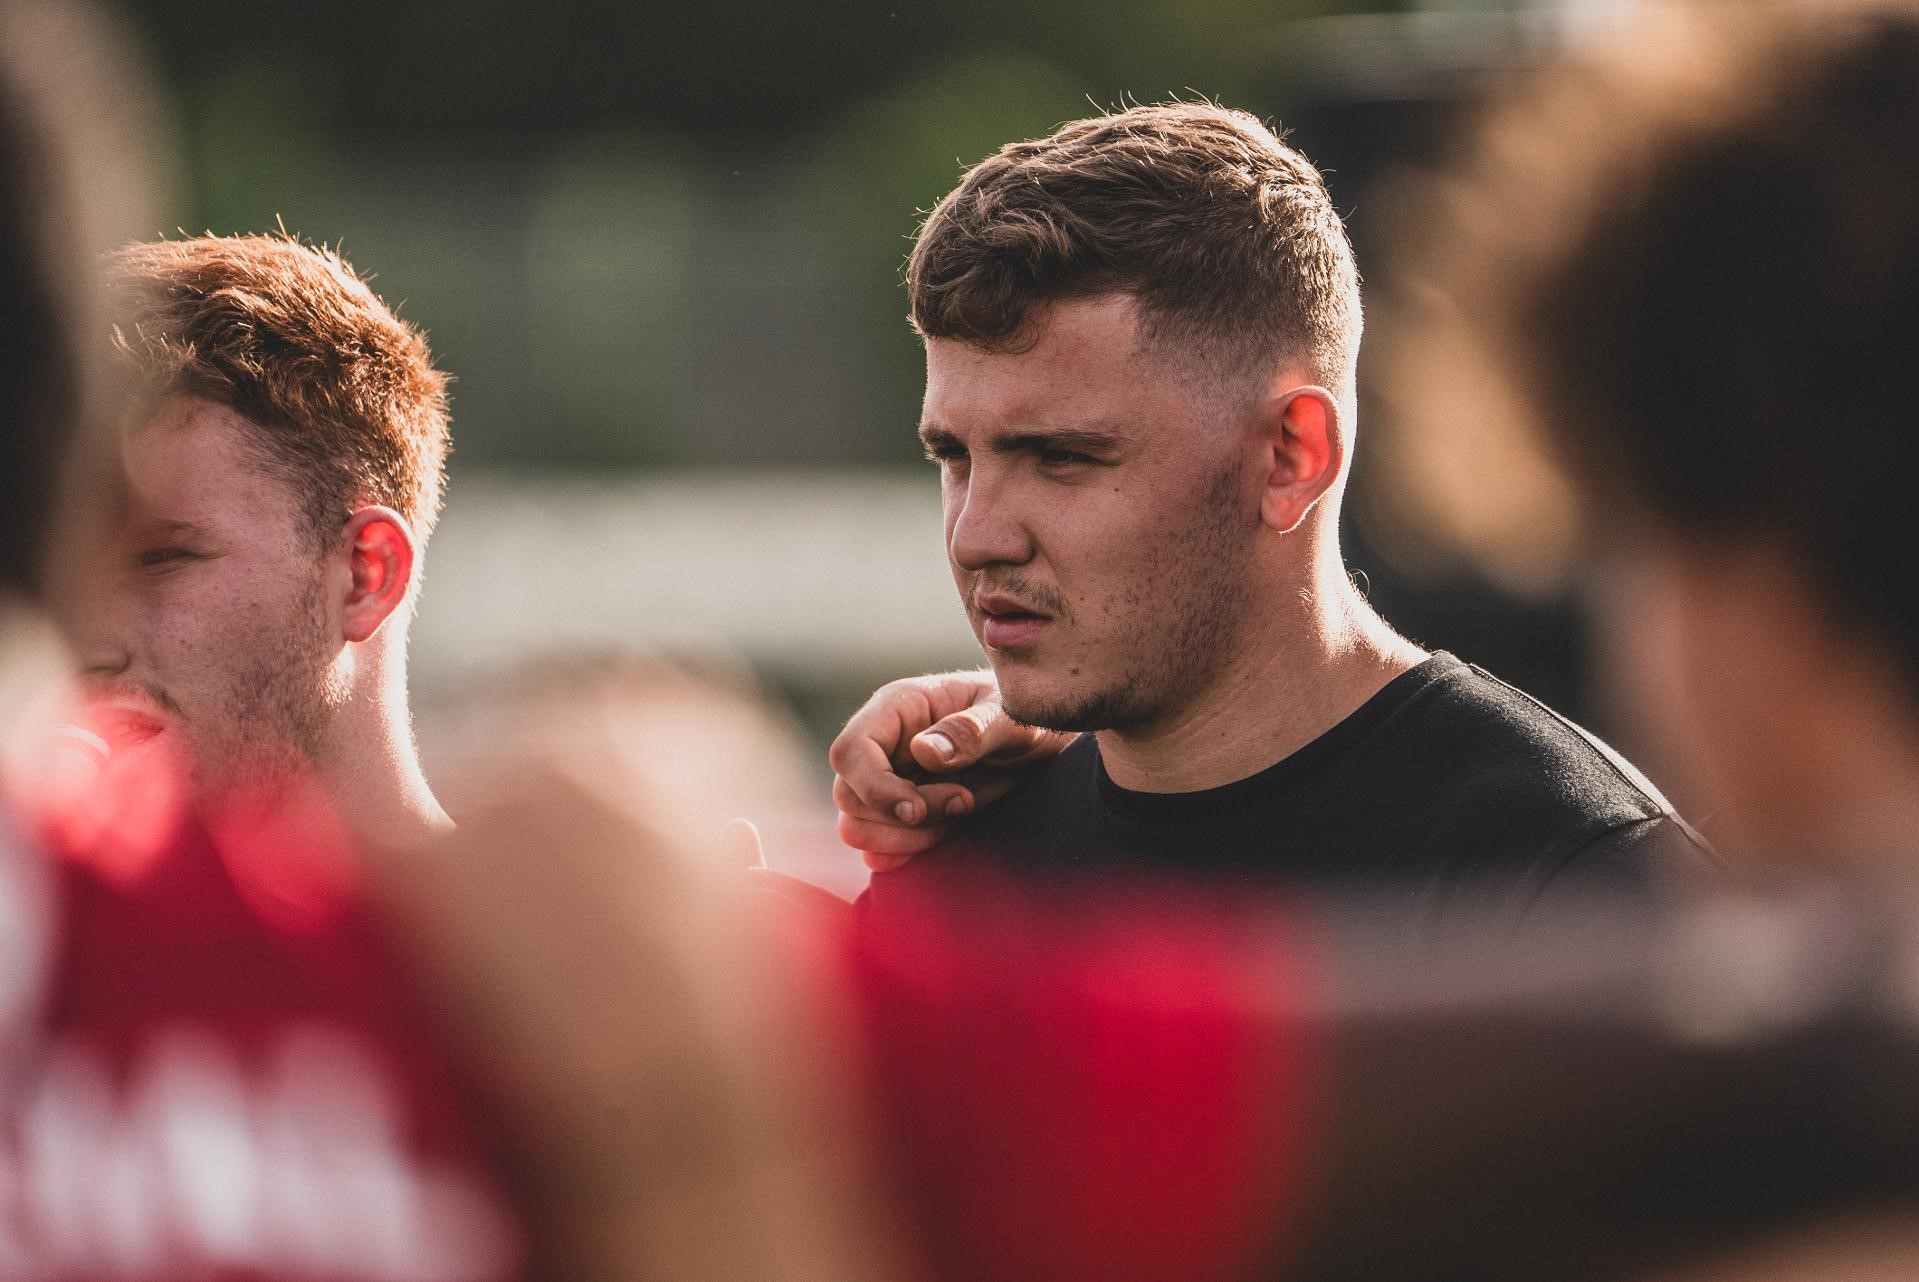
282	478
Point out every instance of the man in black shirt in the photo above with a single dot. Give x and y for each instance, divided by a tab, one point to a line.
1448	786
1140	335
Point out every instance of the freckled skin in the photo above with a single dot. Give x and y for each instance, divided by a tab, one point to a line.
215	612
1139	542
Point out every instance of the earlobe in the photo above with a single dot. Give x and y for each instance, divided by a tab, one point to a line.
380	552
1308	451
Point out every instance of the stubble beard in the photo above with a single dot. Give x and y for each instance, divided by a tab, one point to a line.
280	712
1191	600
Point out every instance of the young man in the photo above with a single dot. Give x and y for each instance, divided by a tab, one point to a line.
1140	341
282	480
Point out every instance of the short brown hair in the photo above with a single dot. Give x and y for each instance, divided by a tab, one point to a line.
350	407
1225	236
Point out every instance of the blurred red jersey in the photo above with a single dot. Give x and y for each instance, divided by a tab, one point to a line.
215	1067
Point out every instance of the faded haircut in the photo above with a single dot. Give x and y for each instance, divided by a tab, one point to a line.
1224	236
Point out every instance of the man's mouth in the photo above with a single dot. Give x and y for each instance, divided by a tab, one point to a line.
1008	623
124	725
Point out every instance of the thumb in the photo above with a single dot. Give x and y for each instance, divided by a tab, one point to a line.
964	737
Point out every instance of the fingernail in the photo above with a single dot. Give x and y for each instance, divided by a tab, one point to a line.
906	812
942	746
956	807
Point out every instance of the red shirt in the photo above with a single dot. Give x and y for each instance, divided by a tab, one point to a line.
221	1071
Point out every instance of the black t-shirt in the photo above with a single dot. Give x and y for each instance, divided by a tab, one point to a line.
1448	788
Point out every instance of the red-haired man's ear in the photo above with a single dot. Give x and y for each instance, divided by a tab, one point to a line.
380	556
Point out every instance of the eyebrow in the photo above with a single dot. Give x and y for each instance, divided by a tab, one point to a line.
1089	440
168	528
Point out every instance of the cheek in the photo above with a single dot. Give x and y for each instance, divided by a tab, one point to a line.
178	619
219	623
1121	552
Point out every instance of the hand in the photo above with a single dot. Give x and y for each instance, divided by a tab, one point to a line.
921	753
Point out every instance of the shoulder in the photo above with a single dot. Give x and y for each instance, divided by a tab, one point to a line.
1050	798
1528	779
1022	830
1495	739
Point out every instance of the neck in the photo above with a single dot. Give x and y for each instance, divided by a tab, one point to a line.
1300	669
371	764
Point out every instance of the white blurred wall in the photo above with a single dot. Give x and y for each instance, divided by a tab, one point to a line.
821	577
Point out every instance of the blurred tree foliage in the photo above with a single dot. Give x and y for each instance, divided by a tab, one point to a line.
727	71
649	234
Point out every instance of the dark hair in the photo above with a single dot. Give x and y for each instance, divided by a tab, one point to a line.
1225	236
39	375
78	167
349	405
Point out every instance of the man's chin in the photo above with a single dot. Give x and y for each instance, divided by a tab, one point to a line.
1067	710
259	782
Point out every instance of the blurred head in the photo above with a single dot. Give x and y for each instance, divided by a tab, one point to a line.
1707	309
77	157
39	367
1140	334
282	477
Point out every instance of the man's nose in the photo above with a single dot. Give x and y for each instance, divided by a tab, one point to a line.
989	526
100	659
97	633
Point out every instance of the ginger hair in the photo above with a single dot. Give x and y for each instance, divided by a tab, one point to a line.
349	406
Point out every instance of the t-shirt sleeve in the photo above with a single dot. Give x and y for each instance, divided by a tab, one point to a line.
1642	859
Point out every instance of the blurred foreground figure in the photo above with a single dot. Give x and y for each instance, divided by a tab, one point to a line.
211	1064
1141	335
1684	336
216	1057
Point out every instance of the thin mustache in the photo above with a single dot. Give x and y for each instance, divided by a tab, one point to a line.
136	693
1042	599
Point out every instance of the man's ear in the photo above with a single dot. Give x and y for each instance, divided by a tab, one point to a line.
380	554
1305	448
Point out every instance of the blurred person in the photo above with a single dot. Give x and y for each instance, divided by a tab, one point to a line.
217	1058
1140	339
704	727
1681	344
283	473
211	1063
1706	363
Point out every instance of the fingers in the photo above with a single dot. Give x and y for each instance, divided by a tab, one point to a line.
937	725
886	846
938	804
864	753
864	774
980	732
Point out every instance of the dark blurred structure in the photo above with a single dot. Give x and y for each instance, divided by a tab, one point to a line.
1368	97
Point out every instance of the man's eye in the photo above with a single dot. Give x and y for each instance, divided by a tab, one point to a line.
945	453
1063	458
158	558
